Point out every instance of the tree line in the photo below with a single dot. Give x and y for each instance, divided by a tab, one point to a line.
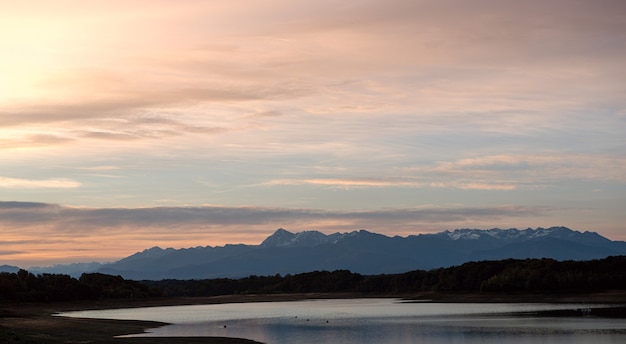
510	275
24	286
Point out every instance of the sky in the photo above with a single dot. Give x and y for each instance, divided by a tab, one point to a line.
131	124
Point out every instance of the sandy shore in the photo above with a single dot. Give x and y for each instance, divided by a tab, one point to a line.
35	323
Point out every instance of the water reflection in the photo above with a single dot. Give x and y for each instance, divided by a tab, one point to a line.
470	330
368	321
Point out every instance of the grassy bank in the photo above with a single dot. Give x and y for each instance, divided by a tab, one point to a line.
34	322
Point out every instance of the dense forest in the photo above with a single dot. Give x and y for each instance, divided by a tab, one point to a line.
511	275
528	275
24	286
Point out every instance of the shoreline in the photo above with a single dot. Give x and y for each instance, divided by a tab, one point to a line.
37	322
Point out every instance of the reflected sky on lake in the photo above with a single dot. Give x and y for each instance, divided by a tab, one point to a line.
366	321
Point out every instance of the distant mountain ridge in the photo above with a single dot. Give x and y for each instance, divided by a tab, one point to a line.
9	268
361	251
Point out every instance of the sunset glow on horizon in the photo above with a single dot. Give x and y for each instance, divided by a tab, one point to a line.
128	125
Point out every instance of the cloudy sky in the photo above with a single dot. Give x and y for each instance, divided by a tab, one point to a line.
130	124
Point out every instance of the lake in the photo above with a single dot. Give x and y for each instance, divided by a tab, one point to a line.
365	321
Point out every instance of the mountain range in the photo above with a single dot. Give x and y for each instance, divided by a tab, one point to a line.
9	268
361	251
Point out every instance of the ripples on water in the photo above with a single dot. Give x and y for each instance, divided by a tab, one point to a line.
366	321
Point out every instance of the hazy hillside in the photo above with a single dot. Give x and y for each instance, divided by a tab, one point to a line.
9	268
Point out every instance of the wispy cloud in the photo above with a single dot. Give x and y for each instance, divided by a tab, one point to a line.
101	168
29	140
476	186
347	183
134	126
539	168
195	218
18	183
502	172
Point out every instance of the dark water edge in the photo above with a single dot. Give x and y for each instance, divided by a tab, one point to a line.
603	312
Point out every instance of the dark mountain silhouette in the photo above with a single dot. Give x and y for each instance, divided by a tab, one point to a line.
362	252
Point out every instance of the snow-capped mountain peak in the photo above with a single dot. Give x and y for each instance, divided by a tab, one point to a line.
284	238
510	234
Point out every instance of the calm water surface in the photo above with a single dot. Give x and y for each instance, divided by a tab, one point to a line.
366	321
